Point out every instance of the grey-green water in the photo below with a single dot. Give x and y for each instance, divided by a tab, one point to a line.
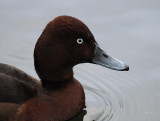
128	30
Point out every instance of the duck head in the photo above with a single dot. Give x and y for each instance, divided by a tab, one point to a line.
64	43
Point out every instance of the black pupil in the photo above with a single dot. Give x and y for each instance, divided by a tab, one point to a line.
80	40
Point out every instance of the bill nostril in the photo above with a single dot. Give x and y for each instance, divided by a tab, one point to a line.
105	55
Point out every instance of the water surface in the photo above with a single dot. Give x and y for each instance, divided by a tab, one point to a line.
127	30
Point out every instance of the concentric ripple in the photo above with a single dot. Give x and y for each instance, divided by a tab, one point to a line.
119	96
99	105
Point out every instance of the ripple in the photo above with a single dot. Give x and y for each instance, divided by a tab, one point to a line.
100	106
120	96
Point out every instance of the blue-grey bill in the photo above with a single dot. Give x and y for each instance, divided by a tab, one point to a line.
103	59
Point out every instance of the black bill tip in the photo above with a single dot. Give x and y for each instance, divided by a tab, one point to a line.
126	68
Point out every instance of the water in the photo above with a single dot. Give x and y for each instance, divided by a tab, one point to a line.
128	30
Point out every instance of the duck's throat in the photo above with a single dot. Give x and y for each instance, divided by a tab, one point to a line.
57	78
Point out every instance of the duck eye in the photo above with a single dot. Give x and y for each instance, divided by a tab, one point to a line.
79	40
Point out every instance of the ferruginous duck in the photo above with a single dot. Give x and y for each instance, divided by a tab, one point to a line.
64	43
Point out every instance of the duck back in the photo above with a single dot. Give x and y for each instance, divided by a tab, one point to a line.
15	85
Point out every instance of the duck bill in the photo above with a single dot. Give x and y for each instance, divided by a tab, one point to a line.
102	58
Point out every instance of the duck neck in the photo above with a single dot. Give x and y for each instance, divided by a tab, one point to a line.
58	78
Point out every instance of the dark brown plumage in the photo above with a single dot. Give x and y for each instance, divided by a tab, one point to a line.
56	52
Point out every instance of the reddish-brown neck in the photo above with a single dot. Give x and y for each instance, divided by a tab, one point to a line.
58	79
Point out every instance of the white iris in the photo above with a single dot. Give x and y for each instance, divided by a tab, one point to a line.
79	40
